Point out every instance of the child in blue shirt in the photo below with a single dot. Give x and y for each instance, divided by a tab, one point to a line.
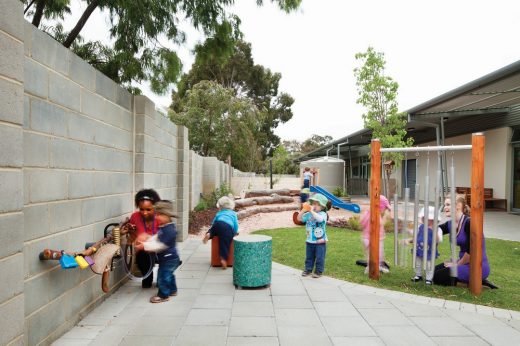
163	243
315	218
225	227
424	245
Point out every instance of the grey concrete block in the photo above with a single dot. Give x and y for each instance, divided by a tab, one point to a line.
11	319
11	186
36	221
11	146
40	326
62	281
112	183
124	98
93	210
65	154
92	105
83	296
36	78
48	118
64	92
127	121
82	128
81	72
11	59
48	51
105	86
36	290
47	185
11	269
81	184
65	215
26	112
117	206
35	150
143	105
11	18
11	99
143	124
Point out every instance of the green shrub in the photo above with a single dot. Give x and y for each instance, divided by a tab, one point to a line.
389	226
209	200
354	223
339	192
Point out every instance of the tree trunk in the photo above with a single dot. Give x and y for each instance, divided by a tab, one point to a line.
248	202
81	23
38	13
28	6
258	193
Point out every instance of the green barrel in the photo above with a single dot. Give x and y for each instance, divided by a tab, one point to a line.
253	255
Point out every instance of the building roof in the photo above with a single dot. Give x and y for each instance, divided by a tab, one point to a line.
492	93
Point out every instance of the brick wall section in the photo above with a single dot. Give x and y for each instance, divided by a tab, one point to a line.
11	175
74	149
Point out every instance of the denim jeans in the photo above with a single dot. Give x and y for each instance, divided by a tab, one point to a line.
166	277
315	253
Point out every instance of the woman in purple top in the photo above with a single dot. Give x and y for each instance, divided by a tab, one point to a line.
442	271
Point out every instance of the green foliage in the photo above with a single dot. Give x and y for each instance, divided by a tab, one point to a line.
340	192
344	248
210	200
135	54
354	224
233	67
314	142
221	124
282	162
378	94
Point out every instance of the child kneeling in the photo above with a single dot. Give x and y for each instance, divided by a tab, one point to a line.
163	243
419	253
315	218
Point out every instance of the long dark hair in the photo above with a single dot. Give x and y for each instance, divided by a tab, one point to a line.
146	195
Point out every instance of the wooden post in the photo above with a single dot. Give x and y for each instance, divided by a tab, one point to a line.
375	190
477	212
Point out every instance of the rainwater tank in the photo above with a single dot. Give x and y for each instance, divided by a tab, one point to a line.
331	171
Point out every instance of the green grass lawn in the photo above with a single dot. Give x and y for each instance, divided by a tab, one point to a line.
345	247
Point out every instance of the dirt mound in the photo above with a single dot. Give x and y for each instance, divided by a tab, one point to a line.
199	219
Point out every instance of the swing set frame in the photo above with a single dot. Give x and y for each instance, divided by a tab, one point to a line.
477	148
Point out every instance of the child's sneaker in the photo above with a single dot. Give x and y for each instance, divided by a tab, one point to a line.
429	282
417	278
306	273
316	275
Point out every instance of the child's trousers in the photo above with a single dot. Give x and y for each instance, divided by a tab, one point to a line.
315	254
418	268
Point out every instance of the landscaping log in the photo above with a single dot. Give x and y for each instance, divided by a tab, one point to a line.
242	214
268	192
248	202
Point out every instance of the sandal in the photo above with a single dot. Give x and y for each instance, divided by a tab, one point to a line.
157	299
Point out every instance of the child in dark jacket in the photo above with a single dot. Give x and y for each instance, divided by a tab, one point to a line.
167	256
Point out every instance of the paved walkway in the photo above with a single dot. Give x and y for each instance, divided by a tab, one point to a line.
294	311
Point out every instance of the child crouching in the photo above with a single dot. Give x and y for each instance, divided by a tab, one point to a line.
315	218
419	254
163	243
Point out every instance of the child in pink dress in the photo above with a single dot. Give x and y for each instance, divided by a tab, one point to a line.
384	205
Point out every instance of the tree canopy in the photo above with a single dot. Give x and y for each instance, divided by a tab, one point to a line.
221	123
136	53
237	70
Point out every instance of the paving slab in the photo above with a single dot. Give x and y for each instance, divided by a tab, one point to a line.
252	326
202	335
208	310
347	326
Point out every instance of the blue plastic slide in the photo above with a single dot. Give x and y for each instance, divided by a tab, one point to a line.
336	202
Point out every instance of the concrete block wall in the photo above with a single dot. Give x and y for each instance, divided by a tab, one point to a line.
74	149
196	162
12	297
77	176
